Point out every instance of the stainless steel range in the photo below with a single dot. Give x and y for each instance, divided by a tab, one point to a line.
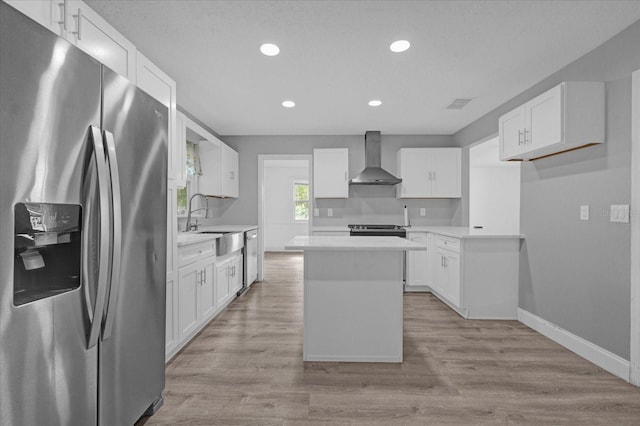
377	230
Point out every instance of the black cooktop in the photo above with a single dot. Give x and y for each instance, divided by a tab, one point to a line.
374	227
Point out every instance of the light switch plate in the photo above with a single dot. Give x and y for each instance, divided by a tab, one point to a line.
584	212
423	211
329	212
619	213
316	212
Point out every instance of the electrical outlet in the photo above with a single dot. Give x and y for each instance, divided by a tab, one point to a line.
619	213
423	211
316	212
329	212
584	212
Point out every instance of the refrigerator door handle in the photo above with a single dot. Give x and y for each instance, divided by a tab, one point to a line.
117	235
105	230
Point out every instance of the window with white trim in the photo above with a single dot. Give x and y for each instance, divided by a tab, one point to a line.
301	201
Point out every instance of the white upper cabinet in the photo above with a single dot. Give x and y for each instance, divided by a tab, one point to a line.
229	178
429	173
565	117
156	83
331	173
48	13
87	30
80	25
219	162
511	130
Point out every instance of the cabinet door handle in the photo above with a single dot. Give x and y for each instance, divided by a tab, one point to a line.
519	137
525	136
78	31
63	6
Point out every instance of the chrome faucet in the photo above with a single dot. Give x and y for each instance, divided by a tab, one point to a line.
190	227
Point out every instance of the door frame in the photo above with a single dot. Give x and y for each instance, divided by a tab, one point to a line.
261	194
635	229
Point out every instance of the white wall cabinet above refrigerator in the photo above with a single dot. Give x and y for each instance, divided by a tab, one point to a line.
565	117
80	25
429	173
331	173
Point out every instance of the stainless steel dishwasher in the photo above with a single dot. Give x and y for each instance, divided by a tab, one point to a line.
250	257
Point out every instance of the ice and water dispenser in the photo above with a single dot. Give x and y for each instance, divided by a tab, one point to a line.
47	250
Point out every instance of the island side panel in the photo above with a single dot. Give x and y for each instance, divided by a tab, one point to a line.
353	306
490	277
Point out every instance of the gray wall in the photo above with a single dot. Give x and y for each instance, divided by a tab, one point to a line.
365	204
576	274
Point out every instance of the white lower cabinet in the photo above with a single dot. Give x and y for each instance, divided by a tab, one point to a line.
416	264
448	274
228	278
196	296
205	285
476	277
188	282
207	297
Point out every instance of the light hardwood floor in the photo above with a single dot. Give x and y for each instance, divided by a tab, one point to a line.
246	368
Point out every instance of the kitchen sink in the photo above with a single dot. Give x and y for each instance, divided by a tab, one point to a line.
229	242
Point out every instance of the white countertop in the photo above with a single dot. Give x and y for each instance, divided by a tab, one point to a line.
351	243
226	228
186	238
460	232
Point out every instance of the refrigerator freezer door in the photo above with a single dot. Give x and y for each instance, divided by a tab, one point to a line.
132	349
49	96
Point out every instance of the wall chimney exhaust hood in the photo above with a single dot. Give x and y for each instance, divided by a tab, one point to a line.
373	174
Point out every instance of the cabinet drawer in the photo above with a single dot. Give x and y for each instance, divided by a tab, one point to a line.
447	243
194	252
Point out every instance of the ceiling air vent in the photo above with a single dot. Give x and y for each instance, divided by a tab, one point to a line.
459	103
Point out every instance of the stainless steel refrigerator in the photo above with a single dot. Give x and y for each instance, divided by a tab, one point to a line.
83	220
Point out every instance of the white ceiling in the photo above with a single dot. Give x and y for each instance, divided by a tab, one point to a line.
334	58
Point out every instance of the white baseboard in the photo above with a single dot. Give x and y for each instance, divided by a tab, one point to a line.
349	358
599	356
417	289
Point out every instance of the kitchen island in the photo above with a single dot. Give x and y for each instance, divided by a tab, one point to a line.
353	290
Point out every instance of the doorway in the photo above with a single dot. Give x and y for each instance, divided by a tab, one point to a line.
284	201
494	189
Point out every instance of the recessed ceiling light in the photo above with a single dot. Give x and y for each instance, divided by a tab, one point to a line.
375	102
399	46
288	104
269	49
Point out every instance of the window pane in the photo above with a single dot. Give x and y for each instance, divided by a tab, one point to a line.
301	191
302	210
182	198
